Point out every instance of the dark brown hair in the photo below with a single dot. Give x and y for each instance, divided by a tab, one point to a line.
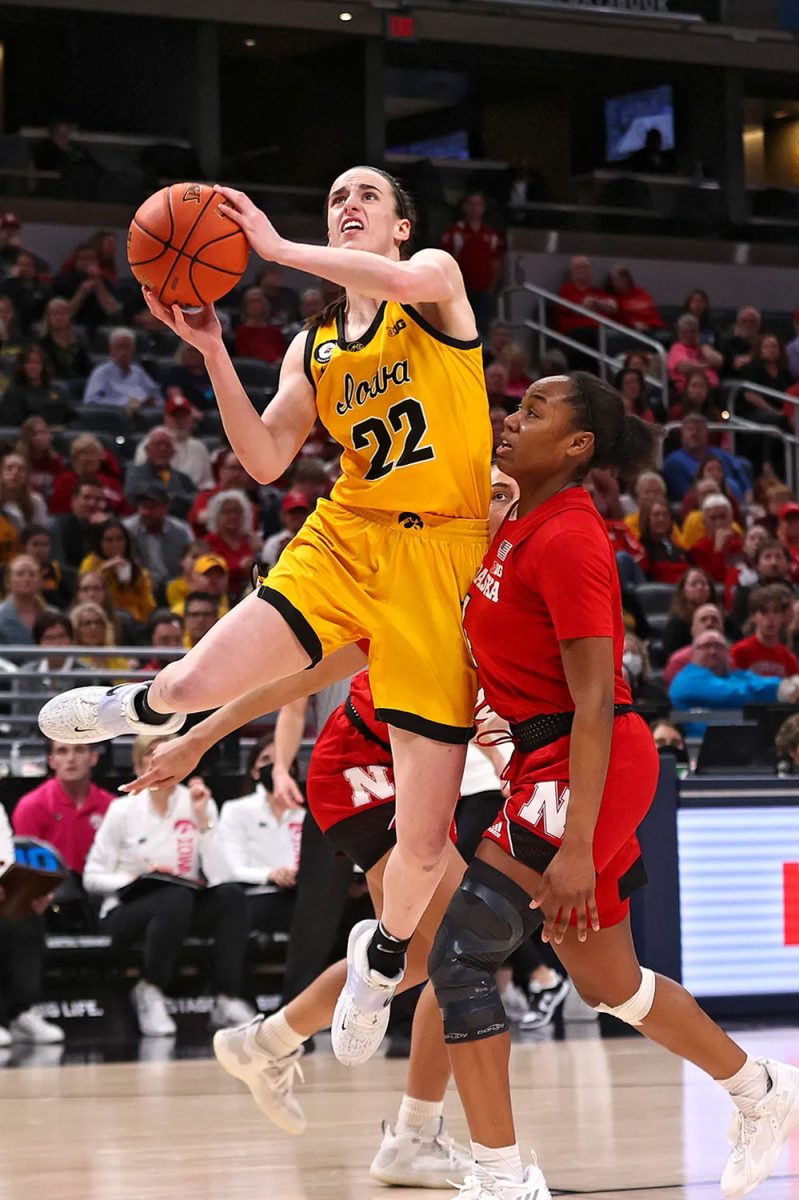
621	442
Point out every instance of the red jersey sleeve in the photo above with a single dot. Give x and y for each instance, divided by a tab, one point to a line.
573	572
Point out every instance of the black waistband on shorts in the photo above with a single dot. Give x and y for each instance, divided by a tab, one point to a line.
537	732
359	723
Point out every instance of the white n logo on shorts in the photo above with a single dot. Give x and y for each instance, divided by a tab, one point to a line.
549	803
368	784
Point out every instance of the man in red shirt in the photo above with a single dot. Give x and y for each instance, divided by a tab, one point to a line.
68	809
478	251
579	289
764	653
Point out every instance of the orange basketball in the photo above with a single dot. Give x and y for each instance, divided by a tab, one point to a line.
182	247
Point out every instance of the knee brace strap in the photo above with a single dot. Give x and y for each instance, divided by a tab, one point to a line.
487	918
637	1008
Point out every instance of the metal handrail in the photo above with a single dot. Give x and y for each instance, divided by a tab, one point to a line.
733	388
545	331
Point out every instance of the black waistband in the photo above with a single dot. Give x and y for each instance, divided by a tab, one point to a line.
361	726
537	732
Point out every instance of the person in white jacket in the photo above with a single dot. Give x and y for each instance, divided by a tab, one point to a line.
170	832
261	836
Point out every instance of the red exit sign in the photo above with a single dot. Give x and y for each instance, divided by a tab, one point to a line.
401	26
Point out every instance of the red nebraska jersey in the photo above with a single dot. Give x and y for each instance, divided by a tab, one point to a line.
548	577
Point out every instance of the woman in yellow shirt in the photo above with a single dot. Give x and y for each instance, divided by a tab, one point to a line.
129	584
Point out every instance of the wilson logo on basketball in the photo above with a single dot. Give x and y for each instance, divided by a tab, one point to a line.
192	195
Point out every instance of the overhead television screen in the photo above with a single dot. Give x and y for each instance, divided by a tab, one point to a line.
629	118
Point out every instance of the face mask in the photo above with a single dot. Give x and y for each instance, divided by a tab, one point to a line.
678	752
265	776
633	663
124	572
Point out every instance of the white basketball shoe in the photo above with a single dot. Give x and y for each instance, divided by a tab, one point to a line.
427	1159
362	1010
269	1079
95	714
482	1186
758	1139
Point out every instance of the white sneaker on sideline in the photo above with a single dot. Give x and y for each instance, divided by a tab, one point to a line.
428	1159
151	1010
230	1011
269	1079
481	1186
515	1003
5	1037
95	714
544	1004
31	1027
362	1010
757	1140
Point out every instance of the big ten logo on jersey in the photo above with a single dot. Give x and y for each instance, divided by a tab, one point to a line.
370	785
547	808
193	194
393	330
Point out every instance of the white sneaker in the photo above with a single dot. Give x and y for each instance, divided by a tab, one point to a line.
31	1027
481	1186
544	1004
5	1037
95	714
151	1010
757	1140
362	1010
426	1159
270	1079
230	1011
515	1003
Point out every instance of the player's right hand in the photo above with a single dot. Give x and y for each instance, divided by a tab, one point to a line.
170	763
285	790
201	329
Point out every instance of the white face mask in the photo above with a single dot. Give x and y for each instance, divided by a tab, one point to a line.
124	572
633	663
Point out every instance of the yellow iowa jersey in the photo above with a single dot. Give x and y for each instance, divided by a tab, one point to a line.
409	406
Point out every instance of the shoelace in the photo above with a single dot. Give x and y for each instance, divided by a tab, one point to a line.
282	1076
741	1134
451	1148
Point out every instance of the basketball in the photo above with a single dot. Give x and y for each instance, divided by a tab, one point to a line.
182	247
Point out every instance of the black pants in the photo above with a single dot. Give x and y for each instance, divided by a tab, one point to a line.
22	950
167	915
323	881
271	912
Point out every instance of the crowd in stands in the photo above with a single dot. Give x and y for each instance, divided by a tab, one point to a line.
128	528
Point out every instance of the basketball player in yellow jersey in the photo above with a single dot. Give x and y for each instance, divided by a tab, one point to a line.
395	373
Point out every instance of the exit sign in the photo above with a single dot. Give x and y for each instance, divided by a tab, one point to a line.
401	26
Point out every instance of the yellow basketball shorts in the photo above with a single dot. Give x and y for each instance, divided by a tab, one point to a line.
398	580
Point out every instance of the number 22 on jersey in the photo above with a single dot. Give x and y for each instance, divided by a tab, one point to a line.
395	440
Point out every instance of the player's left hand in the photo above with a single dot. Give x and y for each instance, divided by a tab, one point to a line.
568	885
255	224
200	795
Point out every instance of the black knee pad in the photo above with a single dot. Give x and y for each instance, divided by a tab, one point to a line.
487	918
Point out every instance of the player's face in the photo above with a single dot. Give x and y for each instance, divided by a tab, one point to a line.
504	493
362	214
540	440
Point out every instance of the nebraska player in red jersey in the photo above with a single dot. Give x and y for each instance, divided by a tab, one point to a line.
545	624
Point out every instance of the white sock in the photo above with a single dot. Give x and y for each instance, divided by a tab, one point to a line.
276	1035
414	1114
748	1086
499	1162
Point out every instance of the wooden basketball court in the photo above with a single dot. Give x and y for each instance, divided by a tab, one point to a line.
614	1119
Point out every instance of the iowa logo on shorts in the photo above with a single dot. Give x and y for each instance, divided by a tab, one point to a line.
193	194
410	521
